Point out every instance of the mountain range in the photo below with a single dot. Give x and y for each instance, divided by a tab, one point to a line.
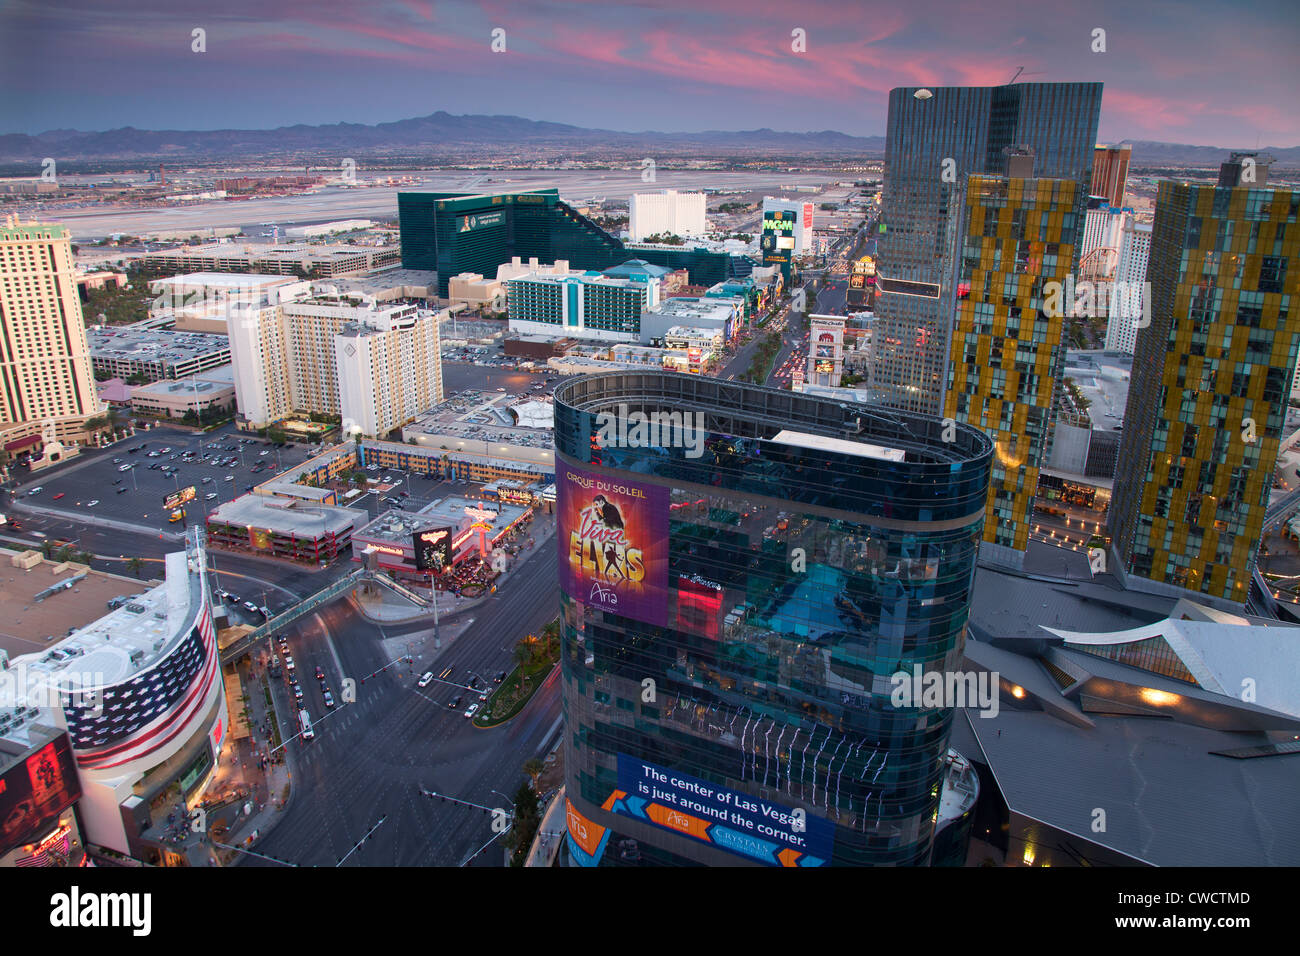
442	134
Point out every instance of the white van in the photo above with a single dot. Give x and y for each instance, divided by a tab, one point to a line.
304	719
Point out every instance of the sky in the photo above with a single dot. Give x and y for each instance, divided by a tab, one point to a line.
1205	72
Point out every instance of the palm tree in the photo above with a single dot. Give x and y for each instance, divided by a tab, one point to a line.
134	565
534	768
522	653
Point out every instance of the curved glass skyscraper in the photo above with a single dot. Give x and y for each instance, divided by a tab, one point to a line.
742	572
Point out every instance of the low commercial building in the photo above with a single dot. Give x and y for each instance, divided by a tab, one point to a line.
475	528
316	261
725	314
155	353
170	399
287	528
327	228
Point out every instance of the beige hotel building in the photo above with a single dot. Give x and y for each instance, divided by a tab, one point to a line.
46	383
377	368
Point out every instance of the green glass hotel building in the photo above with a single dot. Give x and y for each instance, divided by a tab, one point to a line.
742	570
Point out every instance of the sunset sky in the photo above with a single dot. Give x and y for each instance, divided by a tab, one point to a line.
1190	71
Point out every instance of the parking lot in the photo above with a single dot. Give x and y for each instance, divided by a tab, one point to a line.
98	488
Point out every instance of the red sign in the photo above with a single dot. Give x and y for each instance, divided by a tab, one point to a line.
33	793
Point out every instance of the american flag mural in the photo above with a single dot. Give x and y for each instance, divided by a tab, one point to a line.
136	717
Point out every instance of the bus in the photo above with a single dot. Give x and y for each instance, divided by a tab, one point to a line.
304	719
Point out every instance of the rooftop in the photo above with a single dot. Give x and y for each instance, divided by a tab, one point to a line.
287	515
121	642
156	344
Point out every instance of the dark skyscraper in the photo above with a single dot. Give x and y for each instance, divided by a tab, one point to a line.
935	141
735	608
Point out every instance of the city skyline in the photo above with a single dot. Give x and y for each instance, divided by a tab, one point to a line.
755	67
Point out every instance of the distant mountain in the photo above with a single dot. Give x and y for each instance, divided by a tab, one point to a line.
441	134
1146	153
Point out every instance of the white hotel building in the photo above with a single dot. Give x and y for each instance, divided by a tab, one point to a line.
680	214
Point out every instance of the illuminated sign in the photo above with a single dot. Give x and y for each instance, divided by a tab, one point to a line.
614	544
432	549
748	826
35	792
175	499
479	221
779	222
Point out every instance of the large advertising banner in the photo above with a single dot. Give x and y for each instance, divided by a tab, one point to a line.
614	543
34	792
727	819
432	549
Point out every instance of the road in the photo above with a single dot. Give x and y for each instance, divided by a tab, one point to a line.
371	759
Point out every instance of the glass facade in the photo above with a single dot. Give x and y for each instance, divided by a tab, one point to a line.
733	609
932	146
1018	235
1208	397
455	232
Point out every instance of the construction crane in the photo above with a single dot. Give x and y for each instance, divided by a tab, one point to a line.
1020	70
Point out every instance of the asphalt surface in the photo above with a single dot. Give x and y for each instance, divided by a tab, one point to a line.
372	758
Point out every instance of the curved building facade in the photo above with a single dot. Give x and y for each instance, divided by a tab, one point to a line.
141	697
742	571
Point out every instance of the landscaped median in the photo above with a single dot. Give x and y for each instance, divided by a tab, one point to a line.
535	656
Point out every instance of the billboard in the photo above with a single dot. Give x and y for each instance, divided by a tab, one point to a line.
35	791
479	221
432	549
175	499
614	543
736	822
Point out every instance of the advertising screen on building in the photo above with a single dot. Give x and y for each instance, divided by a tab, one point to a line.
432	549
479	221
175	499
35	791
727	819
614	544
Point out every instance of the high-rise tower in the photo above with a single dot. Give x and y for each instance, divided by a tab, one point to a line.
936	139
1208	396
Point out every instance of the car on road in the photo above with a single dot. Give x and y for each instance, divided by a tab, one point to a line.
122	491
425	679
59	495
288	662
36	491
209	496
501	675
454	703
472	710
320	672
329	699
232	598
117	461
250	606
92	502
297	692
228	478
267	452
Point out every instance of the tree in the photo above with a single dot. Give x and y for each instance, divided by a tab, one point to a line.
522	654
527	820
134	565
534	768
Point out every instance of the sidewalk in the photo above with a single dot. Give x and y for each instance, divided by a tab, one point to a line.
248	765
